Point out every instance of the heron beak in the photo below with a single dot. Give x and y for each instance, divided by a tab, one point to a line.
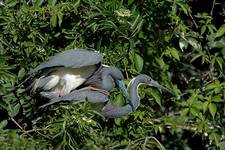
157	85
123	88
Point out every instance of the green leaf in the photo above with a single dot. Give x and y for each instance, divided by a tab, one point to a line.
221	145
212	109
21	73
3	124
184	112
155	94
130	2
175	53
183	44
205	106
118	121
217	44
38	2
217	99
194	43
54	2
138	62
194	111
203	29
54	20
221	31
211	28
119	100
14	111
60	18
184	7
211	86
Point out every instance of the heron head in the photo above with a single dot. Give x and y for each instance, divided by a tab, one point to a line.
149	81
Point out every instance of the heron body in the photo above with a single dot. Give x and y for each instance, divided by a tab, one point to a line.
101	82
71	69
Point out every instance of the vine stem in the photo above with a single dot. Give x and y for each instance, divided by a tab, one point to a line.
152	137
17	124
211	13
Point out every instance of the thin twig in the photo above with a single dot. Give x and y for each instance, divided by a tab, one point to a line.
35	130
196	26
145	142
45	136
211	13
152	137
168	125
17	124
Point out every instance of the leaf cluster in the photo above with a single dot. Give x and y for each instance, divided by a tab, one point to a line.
176	44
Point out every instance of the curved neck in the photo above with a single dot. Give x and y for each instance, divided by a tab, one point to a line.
133	91
107	71
107	80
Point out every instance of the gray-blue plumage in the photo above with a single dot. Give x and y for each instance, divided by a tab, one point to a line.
100	83
74	58
80	95
65	72
113	111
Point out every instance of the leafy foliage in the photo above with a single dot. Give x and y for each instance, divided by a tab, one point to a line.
179	45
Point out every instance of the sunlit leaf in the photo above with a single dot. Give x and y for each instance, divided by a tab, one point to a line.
15	110
119	100
183	44
175	53
60	18
3	124
217	44
217	99
54	20
38	2
212	109
194	43
203	29
138	62
221	31
155	94
221	145
184	112
205	106
21	73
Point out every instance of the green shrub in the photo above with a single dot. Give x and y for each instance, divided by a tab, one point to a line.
179	46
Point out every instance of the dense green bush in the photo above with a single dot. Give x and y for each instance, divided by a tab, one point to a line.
178	44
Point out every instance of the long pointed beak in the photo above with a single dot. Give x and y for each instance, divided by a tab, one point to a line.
157	85
123	88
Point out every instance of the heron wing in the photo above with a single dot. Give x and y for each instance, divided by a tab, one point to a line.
96	79
80	96
74	58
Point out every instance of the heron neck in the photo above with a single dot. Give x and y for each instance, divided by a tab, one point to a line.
108	82
133	91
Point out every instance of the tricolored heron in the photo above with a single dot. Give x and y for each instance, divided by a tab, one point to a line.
110	110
